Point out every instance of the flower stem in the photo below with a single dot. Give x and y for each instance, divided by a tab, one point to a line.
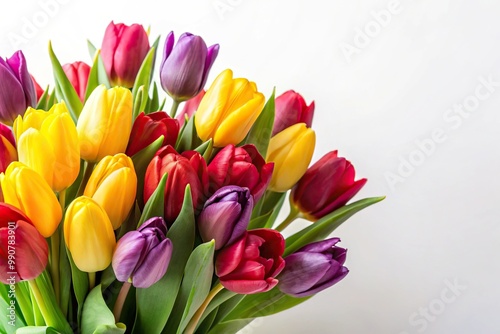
91	281
173	110
89	166
55	244
40	301
120	300
193	323
294	214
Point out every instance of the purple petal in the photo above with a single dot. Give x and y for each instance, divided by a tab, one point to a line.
342	273
169	45
241	226
18	64
212	53
155	222
320	246
303	271
217	221
13	99
127	255
155	266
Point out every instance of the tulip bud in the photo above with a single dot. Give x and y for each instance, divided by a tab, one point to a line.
18	91
89	235
326	186
48	143
25	189
185	67
240	166
105	123
22	249
226	215
190	108
148	128
291	108
251	263
228	110
142	257
123	51
78	74
8	151
313	268
291	151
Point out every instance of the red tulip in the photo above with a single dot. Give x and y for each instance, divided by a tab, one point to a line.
251	263
291	108
190	108
8	151
38	90
326	186
23	251
240	166
78	74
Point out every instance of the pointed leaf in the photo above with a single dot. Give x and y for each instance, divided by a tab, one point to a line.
156	203
230	326
102	76
97	317
143	78
261	131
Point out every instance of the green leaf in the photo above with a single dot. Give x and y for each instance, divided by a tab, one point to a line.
222	297
322	228
188	138
96	316
143	79
261	131
230	326
155	303
259	222
44	99
154	101
155	206
37	330
268	210
102	76
205	149
80	282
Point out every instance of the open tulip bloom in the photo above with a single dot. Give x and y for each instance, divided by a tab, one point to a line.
118	218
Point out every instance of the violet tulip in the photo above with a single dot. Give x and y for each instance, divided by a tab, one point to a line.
185	66
291	108
78	74
313	268
17	91
326	186
226	215
141	257
8	152
190	108
123	51
251	263
148	128
240	166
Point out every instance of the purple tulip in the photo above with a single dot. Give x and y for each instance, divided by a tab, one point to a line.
226	215
17	91
313	268
184	69
142	257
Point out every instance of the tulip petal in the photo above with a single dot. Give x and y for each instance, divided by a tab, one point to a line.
127	255
246	287
303	271
155	265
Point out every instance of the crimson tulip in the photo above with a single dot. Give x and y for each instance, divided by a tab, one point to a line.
8	152
38	90
190	108
290	109
78	74
251	263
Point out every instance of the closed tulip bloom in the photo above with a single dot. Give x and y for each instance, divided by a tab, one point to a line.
123	51
47	142
8	152
326	186
291	151
113	185
313	268
25	189
142	257
89	235
31	251
226	215
17	91
190	108
78	74
228	110
185	67
291	108
105	123
251	263
241	166
148	128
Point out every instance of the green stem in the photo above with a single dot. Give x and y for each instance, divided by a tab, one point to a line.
44	309
89	166
24	302
55	244
173	110
91	281
120	300
294	214
193	323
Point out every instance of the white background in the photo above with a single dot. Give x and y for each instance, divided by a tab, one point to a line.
439	225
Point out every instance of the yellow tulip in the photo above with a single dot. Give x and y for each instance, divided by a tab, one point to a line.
47	142
291	150
89	235
228	110
113	185
25	189
105	123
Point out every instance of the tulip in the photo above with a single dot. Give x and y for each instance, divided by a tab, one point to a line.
25	189
291	151
78	74
47	142
251	263
228	110
123	51
89	235
148	128
17	91
326	186
313	268
226	215
8	151
105	123
190	108
142	257
188	168
241	166
22	249
185	67
38	90
291	109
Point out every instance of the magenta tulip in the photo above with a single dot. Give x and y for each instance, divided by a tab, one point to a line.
78	74
291	108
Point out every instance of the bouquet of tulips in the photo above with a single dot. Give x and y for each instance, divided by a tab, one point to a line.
116	216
